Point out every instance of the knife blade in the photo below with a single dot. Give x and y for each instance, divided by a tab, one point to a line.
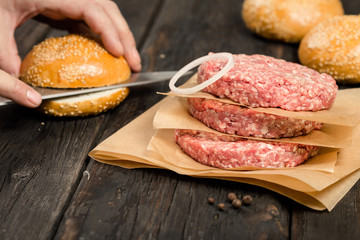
136	79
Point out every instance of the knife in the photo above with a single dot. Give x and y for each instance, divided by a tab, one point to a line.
136	79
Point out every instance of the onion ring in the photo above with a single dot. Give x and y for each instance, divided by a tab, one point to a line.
197	62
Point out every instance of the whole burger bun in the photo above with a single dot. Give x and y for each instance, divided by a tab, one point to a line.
75	61
333	47
287	20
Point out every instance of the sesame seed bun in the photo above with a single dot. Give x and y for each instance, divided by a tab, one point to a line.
287	20
72	61
332	47
84	105
75	61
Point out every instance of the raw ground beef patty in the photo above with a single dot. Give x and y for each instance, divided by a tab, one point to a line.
242	121
263	81
223	151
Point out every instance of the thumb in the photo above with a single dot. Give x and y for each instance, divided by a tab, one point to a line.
16	90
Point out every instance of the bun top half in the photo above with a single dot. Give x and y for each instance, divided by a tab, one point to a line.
72	61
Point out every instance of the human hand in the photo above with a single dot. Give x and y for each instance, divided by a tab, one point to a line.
103	17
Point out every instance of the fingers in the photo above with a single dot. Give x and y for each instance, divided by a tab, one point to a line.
105	19
108	22
16	90
125	35
9	58
101	24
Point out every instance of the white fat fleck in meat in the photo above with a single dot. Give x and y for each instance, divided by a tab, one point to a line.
264	130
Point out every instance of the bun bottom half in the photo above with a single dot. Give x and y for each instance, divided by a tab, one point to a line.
84	105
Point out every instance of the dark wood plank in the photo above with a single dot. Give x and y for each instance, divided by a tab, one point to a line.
179	38
40	165
140	16
117	203
351	7
42	159
160	204
341	223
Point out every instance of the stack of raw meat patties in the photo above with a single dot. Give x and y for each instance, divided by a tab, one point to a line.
255	81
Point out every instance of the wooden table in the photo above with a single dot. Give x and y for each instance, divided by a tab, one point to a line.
44	194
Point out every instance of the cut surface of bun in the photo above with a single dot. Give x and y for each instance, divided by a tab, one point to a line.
287	20
333	47
72	61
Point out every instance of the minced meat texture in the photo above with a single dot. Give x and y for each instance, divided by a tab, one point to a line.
242	121
224	151
263	81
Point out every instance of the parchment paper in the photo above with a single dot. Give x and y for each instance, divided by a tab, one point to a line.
174	115
129	148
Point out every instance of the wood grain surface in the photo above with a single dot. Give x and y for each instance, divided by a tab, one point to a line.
45	195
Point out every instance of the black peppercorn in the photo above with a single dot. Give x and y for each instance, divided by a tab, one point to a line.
221	206
236	203
247	199
232	196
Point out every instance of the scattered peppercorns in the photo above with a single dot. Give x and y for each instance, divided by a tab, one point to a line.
232	196
221	206
247	199
236	203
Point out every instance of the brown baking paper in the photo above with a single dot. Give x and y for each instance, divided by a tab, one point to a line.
174	115
319	190
345	110
296	178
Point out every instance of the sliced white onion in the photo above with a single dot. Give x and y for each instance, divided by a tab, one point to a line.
197	62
